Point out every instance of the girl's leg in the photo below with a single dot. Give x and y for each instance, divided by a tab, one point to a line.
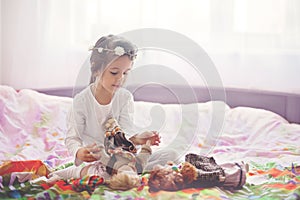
70	172
78	172
161	157
95	169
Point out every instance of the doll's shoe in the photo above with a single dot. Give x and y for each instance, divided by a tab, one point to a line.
235	174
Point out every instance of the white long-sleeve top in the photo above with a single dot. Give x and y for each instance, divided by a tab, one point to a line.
86	119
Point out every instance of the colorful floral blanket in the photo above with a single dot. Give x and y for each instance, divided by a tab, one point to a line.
32	127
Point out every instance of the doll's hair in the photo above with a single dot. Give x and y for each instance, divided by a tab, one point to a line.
165	178
124	181
103	53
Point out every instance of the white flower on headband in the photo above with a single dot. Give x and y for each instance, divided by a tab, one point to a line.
119	51
100	49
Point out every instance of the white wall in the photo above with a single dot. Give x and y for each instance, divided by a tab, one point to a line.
44	43
37	53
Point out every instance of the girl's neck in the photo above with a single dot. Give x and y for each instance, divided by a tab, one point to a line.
101	95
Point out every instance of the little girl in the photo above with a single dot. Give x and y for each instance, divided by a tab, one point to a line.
111	60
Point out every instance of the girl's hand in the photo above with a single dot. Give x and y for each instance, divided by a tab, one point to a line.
152	136
86	153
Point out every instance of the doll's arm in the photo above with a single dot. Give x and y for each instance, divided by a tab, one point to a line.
143	156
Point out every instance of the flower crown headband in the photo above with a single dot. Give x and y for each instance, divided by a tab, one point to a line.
119	51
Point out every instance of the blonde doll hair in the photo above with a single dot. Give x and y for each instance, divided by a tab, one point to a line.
124	181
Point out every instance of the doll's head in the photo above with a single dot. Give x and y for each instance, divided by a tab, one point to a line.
124	174
165	178
171	178
124	181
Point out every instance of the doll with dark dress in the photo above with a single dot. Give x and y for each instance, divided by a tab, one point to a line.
197	172
120	156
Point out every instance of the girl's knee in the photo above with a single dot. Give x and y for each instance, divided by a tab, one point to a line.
174	154
166	155
171	154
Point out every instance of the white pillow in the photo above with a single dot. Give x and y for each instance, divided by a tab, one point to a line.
179	125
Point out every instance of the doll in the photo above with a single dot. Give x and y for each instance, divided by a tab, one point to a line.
121	158
173	178
234	173
197	172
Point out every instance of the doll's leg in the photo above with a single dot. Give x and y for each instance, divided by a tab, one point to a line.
142	157
162	157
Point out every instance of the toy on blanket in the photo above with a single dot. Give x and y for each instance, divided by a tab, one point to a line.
197	171
233	173
121	158
170	178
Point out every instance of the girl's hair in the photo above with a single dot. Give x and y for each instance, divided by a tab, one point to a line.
106	50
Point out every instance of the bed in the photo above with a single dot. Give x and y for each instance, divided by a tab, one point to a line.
32	127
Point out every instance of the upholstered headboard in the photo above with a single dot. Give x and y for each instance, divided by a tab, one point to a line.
285	104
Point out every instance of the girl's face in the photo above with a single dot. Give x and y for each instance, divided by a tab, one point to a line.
115	74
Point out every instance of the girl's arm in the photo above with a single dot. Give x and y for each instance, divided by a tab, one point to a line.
142	138
73	141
